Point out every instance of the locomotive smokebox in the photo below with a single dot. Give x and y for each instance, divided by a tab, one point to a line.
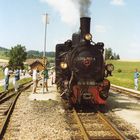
84	26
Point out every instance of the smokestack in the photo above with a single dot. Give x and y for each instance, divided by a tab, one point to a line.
84	26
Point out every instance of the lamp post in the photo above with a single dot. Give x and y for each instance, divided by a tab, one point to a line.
44	53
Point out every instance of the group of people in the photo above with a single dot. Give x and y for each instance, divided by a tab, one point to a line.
7	74
44	75
36	74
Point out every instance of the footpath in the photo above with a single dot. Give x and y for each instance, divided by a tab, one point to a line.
42	94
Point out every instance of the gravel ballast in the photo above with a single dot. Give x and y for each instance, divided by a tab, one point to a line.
38	120
42	116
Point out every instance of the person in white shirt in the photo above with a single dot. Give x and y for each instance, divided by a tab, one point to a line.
53	77
6	75
35	79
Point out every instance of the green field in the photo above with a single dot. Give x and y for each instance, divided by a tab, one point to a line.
126	77
1	74
22	81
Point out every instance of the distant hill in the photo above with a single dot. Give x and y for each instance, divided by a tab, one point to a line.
35	54
4	54
4	49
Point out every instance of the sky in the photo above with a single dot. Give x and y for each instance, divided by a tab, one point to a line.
114	22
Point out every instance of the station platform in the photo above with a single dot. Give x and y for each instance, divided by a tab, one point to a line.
41	94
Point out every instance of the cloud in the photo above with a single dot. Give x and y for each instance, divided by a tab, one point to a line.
68	11
117	2
100	28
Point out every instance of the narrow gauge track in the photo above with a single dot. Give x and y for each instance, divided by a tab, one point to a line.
7	103
10	91
93	126
129	92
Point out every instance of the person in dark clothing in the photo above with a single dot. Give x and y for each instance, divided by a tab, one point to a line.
16	78
45	76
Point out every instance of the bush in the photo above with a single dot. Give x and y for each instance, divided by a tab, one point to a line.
119	70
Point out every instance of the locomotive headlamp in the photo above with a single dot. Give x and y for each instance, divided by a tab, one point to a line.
63	65
88	37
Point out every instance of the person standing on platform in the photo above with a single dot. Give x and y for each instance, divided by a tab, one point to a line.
136	76
6	76
53	77
15	80
45	76
35	79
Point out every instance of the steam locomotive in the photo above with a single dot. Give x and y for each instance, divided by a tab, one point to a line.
80	68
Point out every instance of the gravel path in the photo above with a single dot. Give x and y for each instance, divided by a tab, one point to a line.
125	112
126	107
35	119
38	120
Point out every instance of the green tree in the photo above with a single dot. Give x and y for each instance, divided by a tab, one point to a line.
118	57
6	53
17	56
108	53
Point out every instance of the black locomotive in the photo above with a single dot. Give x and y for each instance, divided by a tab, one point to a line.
81	68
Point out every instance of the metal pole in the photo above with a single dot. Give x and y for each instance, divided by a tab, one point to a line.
44	53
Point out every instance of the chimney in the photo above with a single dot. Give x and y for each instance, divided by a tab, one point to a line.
84	26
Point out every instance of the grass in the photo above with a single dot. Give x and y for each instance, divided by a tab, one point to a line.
22	81
1	74
126	77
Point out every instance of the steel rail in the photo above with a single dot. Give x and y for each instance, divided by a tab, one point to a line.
112	127
10	110
82	129
7	98
114	130
129	92
4	93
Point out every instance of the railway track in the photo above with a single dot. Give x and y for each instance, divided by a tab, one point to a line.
84	126
7	103
126	91
93	126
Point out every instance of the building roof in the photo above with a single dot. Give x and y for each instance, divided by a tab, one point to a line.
36	62
31	61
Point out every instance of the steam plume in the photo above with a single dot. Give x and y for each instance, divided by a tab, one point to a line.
70	10
84	7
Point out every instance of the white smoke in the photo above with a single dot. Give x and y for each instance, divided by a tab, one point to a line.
67	10
70	10
83	6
